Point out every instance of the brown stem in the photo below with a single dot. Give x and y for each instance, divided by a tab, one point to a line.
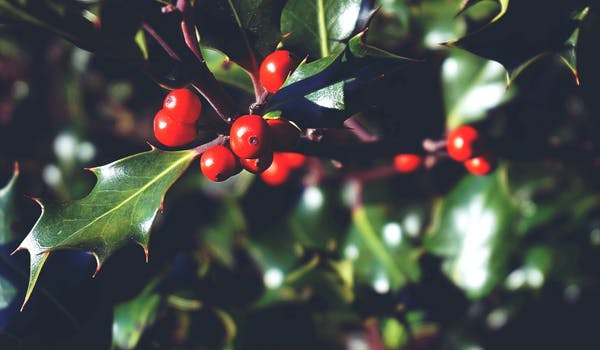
359	130
218	141
168	49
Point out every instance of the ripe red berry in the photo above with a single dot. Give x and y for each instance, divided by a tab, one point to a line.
284	134
170	132
183	106
278	173
481	165
219	163
258	165
463	143
407	163
275	69
249	136
293	160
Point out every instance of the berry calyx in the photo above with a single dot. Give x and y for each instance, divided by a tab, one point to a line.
170	132
218	163
278	173
284	134
249	136
481	165
407	163
293	160
183	106
463	143
275	69
258	165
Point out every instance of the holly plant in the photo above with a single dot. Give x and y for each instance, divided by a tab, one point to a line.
318	174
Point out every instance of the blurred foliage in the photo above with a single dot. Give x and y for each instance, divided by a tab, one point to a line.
332	259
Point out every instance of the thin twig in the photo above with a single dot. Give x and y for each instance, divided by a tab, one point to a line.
168	49
218	141
359	130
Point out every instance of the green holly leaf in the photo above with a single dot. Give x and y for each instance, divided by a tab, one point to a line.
132	317
7	209
317	93
472	86
120	209
319	28
516	41
473	232
245	30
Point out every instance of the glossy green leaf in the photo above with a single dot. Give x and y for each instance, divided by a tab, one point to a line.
120	209
132	317
245	30
436	22
8	292
473	232
318	28
7	209
472	86
226	70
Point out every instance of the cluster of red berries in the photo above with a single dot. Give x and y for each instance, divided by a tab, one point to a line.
465	144
252	139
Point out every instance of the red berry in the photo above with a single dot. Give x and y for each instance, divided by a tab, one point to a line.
183	106
293	160
284	134
278	172
170	132
463	143
219	163
481	165
275	69
407	163
258	165
249	136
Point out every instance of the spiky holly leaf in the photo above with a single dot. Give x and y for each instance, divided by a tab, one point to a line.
503	7
317	93
515	40
120	209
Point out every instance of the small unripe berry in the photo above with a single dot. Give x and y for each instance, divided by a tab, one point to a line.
481	165
275	69
170	132
183	106
463	143
258	165
250	136
284	134
218	163
407	163
278	173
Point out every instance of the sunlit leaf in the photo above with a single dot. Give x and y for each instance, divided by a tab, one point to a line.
473	232
132	317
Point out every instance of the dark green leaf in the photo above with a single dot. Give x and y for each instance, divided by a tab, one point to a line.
318	28
120	209
245	30
515	40
132	317
472	231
